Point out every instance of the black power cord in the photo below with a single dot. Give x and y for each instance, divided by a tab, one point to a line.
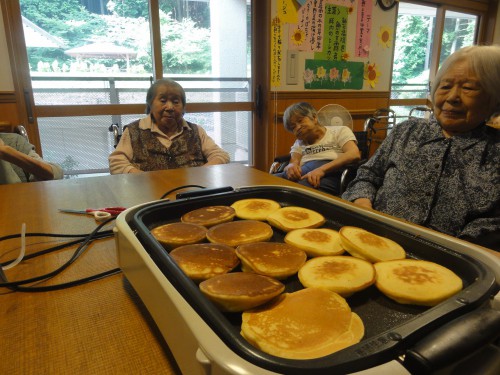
85	241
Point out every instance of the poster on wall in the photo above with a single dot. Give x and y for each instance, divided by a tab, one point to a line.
331	45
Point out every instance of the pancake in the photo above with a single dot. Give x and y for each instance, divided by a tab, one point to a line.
363	244
240	232
306	324
416	282
316	241
292	217
255	208
344	275
178	234
239	291
204	260
209	216
278	260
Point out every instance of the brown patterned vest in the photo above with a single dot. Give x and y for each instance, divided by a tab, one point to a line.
151	155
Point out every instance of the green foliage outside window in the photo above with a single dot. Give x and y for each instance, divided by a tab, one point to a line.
186	46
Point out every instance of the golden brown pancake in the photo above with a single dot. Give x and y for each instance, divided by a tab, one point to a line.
309	323
239	291
363	244
209	216
204	260
293	217
316	241
344	275
278	260
416	282
177	234
255	208
239	232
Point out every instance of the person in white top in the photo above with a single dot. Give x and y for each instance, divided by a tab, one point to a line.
319	151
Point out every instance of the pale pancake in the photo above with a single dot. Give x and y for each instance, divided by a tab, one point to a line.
239	291
240	232
293	217
204	260
344	275
177	234
316	242
278	260
363	244
306	324
209	216
416	282
255	208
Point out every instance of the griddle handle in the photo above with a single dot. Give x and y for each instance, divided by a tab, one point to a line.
203	192
454	341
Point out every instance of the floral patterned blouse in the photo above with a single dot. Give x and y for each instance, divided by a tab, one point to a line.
451	184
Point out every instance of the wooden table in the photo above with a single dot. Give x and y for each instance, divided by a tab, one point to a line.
101	327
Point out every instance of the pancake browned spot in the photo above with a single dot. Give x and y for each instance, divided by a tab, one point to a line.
209	216
239	291
306	324
316	241
363	244
177	234
293	217
240	232
273	259
202	261
255	208
344	275
417	282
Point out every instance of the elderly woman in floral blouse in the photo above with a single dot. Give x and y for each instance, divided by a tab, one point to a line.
444	173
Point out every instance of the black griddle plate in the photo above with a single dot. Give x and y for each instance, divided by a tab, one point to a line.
390	328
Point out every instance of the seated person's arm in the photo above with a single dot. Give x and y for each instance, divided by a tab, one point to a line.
31	163
120	160
212	152
350	155
293	170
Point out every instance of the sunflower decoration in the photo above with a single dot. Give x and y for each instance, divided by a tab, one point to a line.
371	74
345	56
298	37
385	36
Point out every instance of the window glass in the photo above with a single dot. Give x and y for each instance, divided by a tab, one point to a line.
87	54
412	54
459	31
98	52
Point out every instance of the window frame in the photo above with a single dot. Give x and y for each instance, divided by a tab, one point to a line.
29	112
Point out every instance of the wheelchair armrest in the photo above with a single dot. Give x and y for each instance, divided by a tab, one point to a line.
349	173
279	164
